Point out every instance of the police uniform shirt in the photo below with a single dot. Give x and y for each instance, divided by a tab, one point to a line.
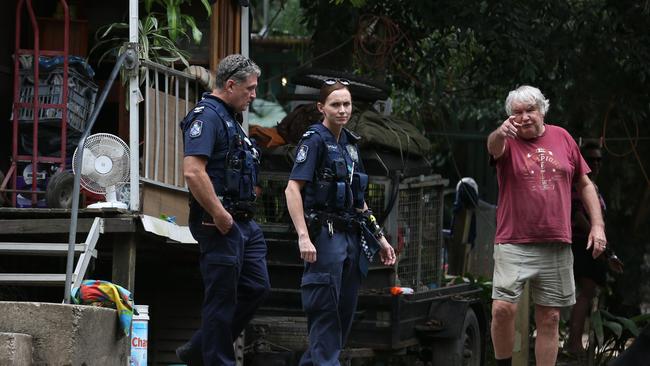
311	153
205	134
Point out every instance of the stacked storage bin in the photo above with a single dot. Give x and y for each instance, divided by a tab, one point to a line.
82	93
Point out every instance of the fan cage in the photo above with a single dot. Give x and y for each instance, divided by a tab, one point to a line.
104	144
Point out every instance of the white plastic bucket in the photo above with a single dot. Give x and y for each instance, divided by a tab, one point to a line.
140	336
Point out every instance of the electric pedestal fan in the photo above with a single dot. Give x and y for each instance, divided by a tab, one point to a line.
105	165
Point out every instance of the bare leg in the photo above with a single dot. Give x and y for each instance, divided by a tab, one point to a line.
579	313
503	328
546	345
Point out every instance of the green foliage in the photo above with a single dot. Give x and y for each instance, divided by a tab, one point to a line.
286	21
461	56
177	23
355	3
158	34
613	332
285	18
453	62
153	44
485	284
332	28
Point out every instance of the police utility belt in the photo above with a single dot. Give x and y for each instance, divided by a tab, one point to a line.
240	210
363	223
350	223
345	223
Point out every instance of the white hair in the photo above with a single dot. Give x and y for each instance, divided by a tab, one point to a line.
527	94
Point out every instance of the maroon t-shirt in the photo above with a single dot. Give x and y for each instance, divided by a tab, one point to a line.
535	178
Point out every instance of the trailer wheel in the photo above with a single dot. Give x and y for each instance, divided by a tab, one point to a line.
465	351
58	193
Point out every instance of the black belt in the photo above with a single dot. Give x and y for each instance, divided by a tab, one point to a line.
241	215
241	210
348	223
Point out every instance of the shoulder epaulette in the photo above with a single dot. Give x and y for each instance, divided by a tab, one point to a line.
308	133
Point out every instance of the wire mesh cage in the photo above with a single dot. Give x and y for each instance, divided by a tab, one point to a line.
419	233
271	203
376	196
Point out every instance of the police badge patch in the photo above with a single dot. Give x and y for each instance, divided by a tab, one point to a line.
302	153
354	155
196	128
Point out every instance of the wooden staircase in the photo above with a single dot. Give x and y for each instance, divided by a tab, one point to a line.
85	251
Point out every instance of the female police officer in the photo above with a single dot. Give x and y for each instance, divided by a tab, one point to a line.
220	167
325	198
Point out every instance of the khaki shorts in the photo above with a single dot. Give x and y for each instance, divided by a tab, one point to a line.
548	266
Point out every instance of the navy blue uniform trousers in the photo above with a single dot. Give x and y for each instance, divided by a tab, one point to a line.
329	296
235	282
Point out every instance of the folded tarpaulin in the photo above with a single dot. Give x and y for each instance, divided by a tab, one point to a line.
375	129
390	132
106	294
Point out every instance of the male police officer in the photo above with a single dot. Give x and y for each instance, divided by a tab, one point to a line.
220	168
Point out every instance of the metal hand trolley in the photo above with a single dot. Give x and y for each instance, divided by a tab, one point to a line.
36	178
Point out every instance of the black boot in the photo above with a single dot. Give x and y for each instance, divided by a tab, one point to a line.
189	354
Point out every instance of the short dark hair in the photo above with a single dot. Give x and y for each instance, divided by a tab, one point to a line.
236	67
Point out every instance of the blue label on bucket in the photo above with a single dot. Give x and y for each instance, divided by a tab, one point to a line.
139	340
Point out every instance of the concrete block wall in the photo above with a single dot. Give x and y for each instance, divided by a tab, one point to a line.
67	334
15	349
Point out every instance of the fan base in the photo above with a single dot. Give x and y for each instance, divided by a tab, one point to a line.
114	204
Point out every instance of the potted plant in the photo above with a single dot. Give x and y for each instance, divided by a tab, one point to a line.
177	22
158	34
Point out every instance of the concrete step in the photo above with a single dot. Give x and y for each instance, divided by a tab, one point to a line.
32	279
66	334
15	349
53	249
